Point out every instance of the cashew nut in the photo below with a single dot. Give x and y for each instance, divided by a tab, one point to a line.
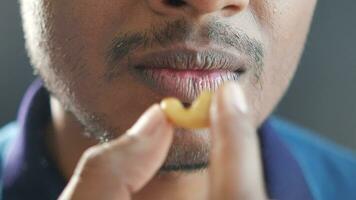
194	117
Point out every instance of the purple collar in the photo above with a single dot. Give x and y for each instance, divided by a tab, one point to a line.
283	175
30	173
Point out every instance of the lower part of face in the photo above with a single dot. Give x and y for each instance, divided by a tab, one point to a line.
88	52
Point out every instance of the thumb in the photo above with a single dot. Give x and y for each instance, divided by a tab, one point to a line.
123	166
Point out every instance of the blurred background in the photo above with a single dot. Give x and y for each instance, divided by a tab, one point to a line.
322	96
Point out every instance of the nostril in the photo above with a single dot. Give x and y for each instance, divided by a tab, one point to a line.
232	8
176	3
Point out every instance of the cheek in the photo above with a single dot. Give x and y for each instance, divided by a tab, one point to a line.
84	29
78	39
285	24
72	37
287	29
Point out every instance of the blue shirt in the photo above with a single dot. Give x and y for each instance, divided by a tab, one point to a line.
298	165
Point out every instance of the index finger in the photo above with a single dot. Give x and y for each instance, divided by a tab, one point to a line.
235	169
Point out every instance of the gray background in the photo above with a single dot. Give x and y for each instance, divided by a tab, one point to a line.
321	96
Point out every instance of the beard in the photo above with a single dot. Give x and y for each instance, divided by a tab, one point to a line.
189	151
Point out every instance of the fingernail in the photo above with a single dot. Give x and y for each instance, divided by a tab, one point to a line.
234	97
149	122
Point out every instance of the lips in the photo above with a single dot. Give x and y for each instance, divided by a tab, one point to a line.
186	73
186	84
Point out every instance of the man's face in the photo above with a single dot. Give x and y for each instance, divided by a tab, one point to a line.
107	61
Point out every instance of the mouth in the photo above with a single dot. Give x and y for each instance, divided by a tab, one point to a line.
185	73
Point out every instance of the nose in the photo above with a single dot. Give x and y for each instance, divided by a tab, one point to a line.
198	8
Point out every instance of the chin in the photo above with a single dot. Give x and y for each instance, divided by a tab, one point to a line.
189	151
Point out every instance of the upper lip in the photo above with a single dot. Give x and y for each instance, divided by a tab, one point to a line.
191	59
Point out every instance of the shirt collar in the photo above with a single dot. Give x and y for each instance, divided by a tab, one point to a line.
284	177
30	173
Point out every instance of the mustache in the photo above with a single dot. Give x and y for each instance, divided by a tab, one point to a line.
221	34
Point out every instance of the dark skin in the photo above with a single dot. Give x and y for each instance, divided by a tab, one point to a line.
93	95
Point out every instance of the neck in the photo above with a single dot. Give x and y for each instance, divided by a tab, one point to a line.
66	142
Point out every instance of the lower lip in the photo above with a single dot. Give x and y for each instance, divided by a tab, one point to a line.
185	84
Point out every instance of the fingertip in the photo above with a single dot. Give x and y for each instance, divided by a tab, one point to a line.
152	119
154	108
157	114
163	116
216	106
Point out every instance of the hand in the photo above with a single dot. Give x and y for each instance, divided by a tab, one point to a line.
123	166
119	168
